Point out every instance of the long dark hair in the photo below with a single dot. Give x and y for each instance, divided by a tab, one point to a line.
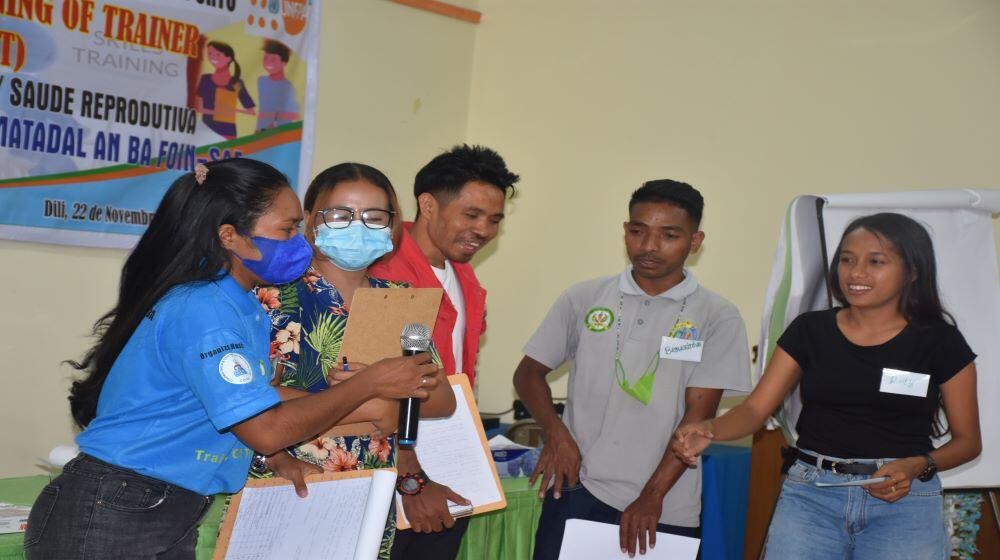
920	302
181	245
330	177
227	50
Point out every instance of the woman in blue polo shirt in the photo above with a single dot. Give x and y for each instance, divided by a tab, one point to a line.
177	391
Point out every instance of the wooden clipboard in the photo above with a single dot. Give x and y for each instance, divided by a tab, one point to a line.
229	521
465	393
378	316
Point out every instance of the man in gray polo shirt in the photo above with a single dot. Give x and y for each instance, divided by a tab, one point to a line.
650	349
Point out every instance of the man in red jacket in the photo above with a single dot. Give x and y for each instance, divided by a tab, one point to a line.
460	203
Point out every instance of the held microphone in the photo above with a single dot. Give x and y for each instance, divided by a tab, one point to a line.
416	338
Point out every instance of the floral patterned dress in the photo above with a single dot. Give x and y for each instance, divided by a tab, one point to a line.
308	319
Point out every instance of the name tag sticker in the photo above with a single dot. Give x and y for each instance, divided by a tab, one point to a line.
901	382
681	349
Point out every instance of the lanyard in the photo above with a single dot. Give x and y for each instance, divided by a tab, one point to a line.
642	389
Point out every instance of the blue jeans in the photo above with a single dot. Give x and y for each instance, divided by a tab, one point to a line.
577	503
97	510
841	523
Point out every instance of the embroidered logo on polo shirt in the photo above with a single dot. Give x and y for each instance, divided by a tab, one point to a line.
235	369
599	319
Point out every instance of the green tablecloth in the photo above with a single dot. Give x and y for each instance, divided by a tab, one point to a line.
20	491
507	533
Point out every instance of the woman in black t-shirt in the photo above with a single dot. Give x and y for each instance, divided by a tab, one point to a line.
874	375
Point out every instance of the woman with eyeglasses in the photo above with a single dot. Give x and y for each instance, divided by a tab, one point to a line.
352	220
174	393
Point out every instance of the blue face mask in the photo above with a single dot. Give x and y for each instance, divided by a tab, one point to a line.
281	261
355	246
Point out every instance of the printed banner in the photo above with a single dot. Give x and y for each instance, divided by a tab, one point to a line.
103	104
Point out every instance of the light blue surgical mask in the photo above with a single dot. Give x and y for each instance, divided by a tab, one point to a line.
354	247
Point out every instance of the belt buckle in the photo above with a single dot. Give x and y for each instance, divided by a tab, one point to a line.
837	464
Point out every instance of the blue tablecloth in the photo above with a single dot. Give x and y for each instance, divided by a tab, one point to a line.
725	485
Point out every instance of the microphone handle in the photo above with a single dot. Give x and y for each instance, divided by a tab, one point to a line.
409	415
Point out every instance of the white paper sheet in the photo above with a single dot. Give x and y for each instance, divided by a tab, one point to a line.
451	453
376	512
340	519
501	443
590	540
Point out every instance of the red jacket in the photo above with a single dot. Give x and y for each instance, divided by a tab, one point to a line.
410	265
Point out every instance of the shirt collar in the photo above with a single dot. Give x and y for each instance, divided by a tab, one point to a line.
242	298
626	283
410	252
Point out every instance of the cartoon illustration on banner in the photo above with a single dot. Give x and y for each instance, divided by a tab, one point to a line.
104	103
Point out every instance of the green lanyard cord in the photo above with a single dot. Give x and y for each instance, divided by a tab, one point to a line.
642	389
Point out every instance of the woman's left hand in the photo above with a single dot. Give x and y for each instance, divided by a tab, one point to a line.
900	474
338	375
290	468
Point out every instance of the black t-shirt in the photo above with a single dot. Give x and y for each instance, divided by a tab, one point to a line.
844	414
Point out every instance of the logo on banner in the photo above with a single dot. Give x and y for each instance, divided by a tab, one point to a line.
235	369
599	319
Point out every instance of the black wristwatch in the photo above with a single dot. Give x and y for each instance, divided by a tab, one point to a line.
929	471
411	484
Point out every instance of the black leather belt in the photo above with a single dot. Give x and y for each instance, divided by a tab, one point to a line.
839	467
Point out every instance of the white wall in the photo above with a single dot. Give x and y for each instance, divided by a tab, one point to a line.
393	91
751	102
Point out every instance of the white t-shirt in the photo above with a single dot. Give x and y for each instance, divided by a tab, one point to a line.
451	287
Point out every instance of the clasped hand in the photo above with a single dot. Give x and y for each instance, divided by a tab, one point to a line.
690	440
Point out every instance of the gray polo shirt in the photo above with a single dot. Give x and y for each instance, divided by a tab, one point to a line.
621	439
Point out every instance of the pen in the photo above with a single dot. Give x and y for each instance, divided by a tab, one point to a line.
345	364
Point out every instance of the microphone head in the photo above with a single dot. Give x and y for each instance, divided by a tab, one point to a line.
416	337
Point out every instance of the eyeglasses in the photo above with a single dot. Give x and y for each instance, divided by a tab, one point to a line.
342	216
